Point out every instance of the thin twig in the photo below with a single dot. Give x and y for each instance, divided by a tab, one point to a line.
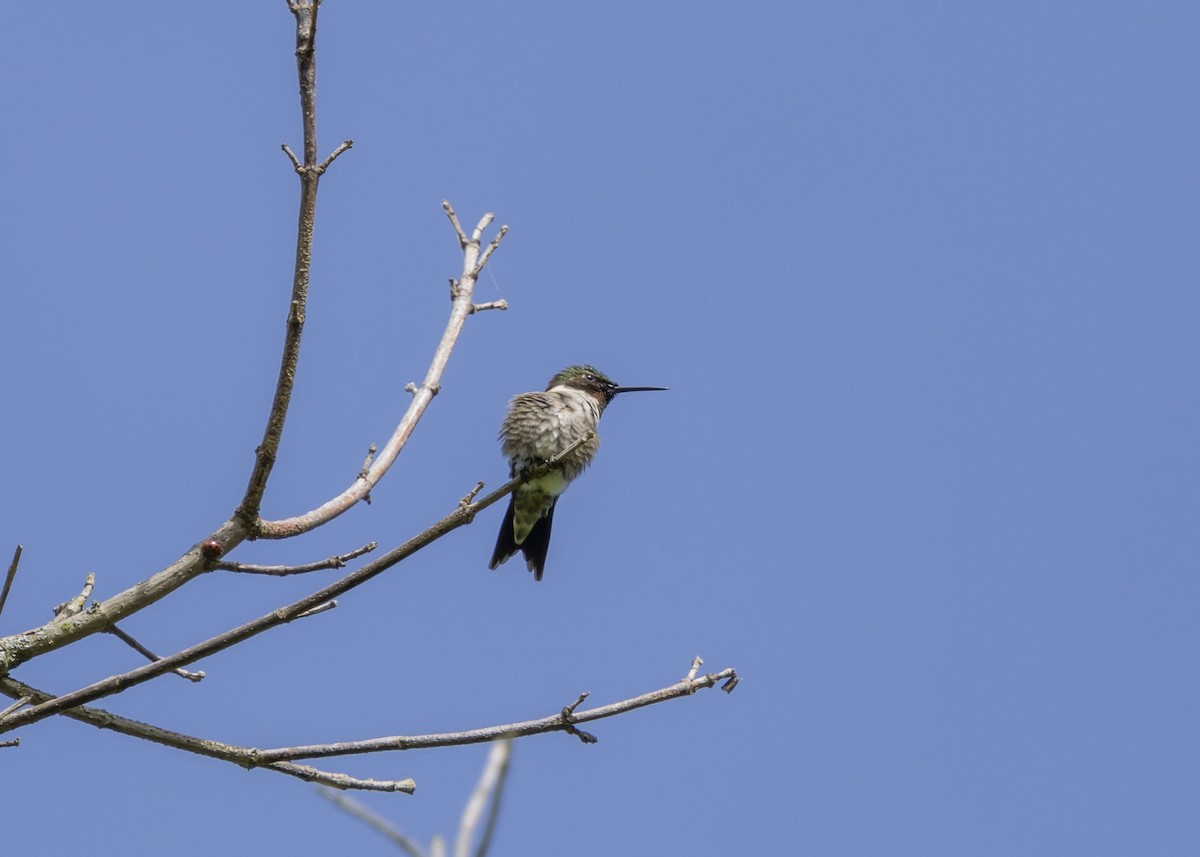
462	306
11	742
283	570
463	240
489	829
372	820
19	648
490	249
245	757
362	471
8	578
461	516
333	156
320	608
16	649
21	702
569	720
471	495
287	150
310	176
485	794
149	655
500	304
72	607
556	722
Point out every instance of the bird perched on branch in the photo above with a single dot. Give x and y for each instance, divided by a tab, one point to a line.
537	427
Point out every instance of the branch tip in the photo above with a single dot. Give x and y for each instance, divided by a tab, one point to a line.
570	709
482	225
10	575
150	656
471	495
463	240
285	570
320	608
366	465
296	165
585	737
73	606
491	248
333	156
499	305
568	718
16	706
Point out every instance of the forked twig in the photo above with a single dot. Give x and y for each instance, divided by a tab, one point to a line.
561	721
461	516
243	756
462	306
284	570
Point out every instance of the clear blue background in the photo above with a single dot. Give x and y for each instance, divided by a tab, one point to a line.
922	278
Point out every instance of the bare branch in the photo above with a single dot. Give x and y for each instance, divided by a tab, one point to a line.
463	240
568	719
284	570
287	150
471	495
310	177
489	250
500	305
246	757
72	608
561	721
320	608
149	655
362	471
21	702
461	516
16	649
8	578
489	829
333	156
462	306
373	820
487	793
345	781
19	648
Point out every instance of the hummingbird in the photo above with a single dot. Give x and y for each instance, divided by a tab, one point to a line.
537	427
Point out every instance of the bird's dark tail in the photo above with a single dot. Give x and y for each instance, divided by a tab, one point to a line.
534	547
537	543
505	546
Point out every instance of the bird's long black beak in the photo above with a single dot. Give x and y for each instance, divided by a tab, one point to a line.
636	389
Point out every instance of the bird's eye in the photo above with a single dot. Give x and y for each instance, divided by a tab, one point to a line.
587	377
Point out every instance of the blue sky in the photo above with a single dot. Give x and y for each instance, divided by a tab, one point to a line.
922	279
